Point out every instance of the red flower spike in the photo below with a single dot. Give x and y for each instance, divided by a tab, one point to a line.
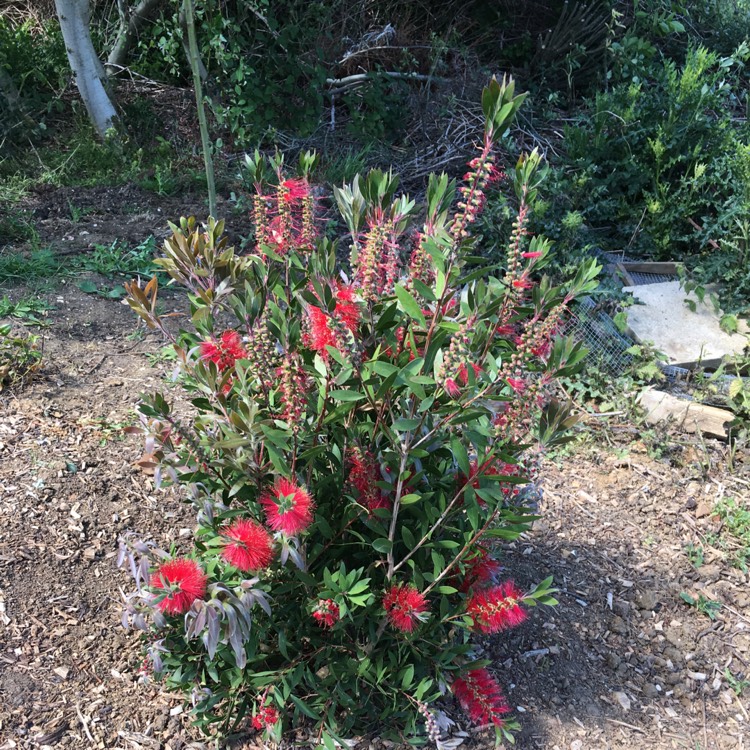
481	697
326	613
266	717
518	385
185	581
497	608
225	351
463	373
322	327
363	475
251	547
481	569
295	189
405	606
289	508
452	388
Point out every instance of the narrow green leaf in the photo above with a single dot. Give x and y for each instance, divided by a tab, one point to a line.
409	305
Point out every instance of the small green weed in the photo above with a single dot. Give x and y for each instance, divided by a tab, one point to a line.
78	212
118	259
26	310
738	683
340	168
162	356
27	268
695	554
20	356
16	226
705	606
736	520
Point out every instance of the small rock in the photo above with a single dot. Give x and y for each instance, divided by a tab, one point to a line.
613	660
647	600
62	672
576	745
703	509
710	572
622	699
618	625
650	691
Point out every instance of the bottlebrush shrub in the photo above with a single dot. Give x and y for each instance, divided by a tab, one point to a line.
354	447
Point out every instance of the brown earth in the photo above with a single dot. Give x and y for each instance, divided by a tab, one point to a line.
622	662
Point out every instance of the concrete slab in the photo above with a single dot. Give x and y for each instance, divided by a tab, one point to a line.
687	338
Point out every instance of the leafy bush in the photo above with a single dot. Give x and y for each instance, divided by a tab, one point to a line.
20	356
355	448
34	60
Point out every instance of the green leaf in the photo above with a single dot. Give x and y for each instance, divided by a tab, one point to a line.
382	545
408	677
117	292
346	395
409	305
87	287
410	499
302	706
404	424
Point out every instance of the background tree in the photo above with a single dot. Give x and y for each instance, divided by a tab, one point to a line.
74	17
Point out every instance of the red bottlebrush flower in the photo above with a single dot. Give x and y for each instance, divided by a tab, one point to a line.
481	568
518	385
497	608
322	327
481	697
522	283
542	349
537	254
347	309
405	606
326	613
295	189
225	351
363	475
321	334
251	547
289	508
505	330
266	717
184	580
463	373
452	388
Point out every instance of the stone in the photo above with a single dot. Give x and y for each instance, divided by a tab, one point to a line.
689	416
687	338
618	626
650	691
647	600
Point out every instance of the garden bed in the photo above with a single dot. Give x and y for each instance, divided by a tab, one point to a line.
623	661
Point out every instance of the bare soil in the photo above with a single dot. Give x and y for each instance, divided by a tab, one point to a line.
622	662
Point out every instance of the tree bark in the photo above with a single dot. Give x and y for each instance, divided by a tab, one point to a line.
131	23
194	58
87	68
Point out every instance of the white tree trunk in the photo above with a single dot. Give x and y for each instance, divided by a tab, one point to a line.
86	66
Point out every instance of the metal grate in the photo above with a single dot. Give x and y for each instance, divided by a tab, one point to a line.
597	331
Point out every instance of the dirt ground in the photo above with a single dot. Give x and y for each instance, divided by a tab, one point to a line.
622	662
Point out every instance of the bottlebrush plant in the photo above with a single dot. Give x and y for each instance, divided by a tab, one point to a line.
355	447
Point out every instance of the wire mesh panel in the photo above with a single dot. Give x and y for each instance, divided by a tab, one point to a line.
639	278
597	332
